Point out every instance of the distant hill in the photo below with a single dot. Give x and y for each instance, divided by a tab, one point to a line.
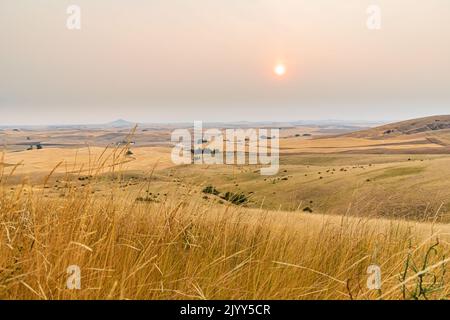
428	126
120	123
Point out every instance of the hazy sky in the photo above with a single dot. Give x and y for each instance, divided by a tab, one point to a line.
213	60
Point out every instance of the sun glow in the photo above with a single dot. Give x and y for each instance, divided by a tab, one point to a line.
280	69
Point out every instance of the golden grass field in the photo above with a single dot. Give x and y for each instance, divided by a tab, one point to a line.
141	228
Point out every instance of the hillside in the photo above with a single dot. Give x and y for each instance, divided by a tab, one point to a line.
182	248
430	135
422	126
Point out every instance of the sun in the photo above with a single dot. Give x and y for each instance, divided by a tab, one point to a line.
280	69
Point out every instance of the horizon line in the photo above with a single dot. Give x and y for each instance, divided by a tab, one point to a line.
111	123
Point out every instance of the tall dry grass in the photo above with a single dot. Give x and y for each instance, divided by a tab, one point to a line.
182	249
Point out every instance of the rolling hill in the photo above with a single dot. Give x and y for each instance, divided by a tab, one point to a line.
433	126
430	135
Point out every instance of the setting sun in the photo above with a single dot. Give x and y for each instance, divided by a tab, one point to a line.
280	69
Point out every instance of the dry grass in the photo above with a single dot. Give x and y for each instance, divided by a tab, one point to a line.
330	145
38	163
185	249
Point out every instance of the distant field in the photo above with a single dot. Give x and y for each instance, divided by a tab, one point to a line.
335	174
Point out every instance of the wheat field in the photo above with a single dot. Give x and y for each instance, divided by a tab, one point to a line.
182	248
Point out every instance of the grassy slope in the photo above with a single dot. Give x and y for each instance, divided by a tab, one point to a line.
181	249
181	245
388	185
391	185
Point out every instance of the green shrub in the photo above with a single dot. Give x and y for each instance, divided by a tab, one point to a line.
211	190
235	198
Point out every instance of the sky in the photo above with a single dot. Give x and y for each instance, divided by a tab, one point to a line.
214	60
